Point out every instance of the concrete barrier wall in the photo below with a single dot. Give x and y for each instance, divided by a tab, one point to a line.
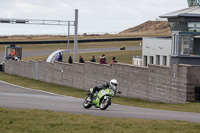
159	84
193	81
167	84
21	68
153	83
179	83
132	80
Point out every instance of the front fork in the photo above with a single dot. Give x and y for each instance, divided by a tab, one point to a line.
105	97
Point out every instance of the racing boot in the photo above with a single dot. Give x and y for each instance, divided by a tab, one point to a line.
90	96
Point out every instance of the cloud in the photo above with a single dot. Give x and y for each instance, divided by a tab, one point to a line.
94	15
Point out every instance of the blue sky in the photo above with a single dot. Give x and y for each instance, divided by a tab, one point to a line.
94	15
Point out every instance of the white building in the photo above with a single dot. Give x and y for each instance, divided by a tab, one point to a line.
184	45
156	51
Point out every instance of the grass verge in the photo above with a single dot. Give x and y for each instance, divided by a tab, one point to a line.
37	121
69	91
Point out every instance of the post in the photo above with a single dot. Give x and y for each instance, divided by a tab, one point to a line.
36	71
68	41
75	34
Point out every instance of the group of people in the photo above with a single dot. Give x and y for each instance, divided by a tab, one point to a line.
102	59
70	60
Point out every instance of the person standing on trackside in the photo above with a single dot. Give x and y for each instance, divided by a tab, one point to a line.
70	60
104	57
102	61
114	60
12	53
60	57
81	60
93	59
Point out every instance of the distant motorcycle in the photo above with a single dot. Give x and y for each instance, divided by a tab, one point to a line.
123	48
101	99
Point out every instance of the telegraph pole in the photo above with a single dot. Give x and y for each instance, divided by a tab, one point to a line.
68	41
75	34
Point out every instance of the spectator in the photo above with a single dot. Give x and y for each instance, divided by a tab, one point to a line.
81	60
114	60
12	53
93	59
70	60
104	57
60	57
102	61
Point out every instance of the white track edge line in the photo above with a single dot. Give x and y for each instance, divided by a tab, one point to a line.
36	90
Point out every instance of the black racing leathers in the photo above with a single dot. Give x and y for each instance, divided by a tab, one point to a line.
98	88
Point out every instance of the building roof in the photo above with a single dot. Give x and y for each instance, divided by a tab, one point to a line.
193	11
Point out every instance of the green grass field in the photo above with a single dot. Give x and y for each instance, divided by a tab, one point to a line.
37	121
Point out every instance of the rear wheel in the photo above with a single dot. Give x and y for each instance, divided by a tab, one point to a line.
105	103
87	103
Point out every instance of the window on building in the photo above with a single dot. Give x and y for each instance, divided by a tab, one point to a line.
145	60
158	59
194	27
175	44
164	60
195	46
185	44
138	62
192	41
151	60
190	45
193	2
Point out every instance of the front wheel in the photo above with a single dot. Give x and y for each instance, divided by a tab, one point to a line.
87	104
105	103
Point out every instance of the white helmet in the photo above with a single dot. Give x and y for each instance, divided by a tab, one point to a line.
113	84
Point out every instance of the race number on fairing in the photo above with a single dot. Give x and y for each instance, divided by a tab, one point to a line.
103	92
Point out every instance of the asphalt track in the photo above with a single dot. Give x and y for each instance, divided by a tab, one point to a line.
12	96
48	52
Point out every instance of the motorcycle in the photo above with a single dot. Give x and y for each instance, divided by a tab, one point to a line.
101	99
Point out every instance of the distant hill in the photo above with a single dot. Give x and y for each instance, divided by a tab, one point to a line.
149	28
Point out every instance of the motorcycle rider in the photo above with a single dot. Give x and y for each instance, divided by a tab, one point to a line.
112	85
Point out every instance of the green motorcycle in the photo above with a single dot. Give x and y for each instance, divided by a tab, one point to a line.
101	99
